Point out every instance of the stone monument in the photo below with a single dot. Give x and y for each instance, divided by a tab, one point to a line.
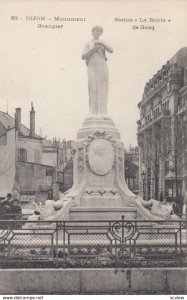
99	190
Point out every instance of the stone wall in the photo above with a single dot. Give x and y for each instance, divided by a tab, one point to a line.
94	281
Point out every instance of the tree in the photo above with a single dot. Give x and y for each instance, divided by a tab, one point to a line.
174	140
164	146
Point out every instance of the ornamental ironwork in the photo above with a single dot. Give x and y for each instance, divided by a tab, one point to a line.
80	244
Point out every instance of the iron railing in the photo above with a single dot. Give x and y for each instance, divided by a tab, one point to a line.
93	244
10	216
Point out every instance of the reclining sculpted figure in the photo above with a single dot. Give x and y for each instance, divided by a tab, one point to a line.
158	210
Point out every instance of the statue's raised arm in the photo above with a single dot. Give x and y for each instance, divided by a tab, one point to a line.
95	55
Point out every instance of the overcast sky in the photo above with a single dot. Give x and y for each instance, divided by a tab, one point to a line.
45	66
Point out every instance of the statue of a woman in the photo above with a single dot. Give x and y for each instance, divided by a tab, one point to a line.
94	54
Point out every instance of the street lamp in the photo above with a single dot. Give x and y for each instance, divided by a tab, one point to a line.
143	179
127	176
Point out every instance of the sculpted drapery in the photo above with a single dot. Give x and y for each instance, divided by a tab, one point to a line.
94	54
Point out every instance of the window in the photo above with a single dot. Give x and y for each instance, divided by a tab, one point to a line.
37	156
149	172
49	172
22	154
166	167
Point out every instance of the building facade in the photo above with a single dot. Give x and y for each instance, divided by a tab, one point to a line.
162	132
65	164
28	166
132	169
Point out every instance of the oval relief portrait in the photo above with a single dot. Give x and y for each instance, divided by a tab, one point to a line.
101	156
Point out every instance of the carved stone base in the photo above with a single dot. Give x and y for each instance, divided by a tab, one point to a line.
99	191
94	123
102	213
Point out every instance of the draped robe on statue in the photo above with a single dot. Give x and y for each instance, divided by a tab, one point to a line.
97	80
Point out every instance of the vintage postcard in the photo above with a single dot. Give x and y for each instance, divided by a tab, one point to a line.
93	147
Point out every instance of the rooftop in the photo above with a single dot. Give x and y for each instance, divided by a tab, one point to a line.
8	123
180	58
173	67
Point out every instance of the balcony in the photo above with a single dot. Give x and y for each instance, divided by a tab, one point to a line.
166	113
157	116
181	108
142	124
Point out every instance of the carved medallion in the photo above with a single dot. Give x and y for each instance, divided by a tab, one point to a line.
100	156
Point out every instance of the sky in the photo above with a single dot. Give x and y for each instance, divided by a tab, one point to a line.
45	66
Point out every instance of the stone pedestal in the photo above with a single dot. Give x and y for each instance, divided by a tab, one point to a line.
99	190
99	171
100	123
102	213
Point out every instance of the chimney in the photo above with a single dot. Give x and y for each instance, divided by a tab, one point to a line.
32	120
18	119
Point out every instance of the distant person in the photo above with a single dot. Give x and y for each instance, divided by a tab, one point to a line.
7	203
175	208
1	207
181	204
15	209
